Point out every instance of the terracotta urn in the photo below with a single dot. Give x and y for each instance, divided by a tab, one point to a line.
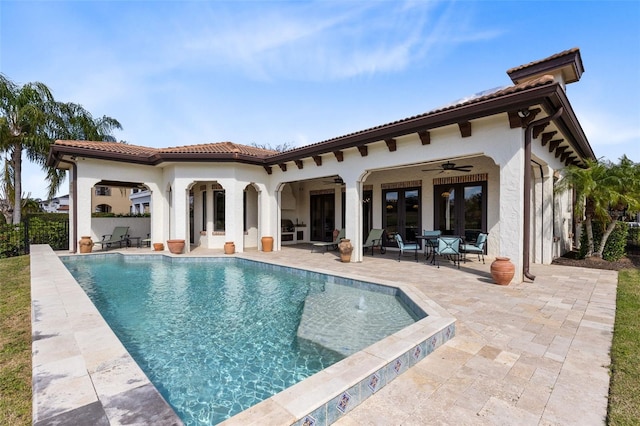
175	246
158	247
345	248
86	244
502	270
229	247
267	244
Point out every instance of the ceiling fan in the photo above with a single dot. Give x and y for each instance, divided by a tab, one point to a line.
336	181
449	166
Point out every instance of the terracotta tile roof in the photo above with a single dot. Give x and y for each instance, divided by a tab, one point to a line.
538	82
550	58
110	147
218	148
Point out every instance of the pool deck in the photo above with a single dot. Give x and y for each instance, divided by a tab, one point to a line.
530	353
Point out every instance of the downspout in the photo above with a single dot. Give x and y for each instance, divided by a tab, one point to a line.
528	134
74	183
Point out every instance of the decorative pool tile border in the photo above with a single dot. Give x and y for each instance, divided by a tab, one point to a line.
347	400
325	397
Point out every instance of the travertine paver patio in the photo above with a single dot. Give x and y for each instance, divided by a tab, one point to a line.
531	353
526	354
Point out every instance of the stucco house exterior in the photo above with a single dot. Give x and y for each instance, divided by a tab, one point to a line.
404	176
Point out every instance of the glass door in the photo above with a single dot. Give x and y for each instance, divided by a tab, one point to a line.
401	213
460	209
322	217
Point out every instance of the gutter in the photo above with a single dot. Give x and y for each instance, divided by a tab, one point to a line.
527	190
74	182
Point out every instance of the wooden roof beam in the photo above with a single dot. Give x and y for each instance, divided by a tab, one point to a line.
339	156
299	164
465	129
318	160
425	137
364	151
391	144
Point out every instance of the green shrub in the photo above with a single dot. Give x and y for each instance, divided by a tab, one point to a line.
616	246
614	249
12	240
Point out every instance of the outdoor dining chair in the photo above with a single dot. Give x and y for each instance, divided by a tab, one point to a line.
448	246
406	246
475	248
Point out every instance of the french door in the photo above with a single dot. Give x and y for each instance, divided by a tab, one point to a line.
322	217
461	209
401	213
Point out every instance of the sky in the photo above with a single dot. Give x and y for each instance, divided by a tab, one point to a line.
299	72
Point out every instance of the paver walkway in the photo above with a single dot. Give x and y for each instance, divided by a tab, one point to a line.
525	354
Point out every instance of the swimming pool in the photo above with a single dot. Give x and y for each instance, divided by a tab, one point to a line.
216	336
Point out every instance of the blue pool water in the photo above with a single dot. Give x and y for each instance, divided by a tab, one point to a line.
217	336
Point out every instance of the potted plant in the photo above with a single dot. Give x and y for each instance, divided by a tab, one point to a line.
175	246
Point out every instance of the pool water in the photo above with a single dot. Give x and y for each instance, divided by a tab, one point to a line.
216	337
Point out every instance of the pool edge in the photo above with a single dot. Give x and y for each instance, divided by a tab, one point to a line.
344	385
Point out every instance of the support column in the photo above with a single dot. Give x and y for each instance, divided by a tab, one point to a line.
511	208
85	187
353	217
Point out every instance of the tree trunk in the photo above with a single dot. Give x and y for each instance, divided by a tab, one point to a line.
610	227
589	228
16	158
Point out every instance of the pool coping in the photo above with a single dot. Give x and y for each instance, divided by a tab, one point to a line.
82	370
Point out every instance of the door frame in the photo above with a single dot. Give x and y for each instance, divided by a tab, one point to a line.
459	206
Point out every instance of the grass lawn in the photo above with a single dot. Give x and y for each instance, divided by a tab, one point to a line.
624	390
15	341
15	347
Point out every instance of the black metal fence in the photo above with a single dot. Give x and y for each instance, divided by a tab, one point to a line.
52	229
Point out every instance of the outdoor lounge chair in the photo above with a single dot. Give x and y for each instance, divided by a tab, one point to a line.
374	240
118	236
475	248
406	246
450	247
331	244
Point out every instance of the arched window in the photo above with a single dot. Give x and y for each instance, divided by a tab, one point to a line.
103	208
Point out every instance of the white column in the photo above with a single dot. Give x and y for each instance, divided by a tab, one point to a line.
233	212
511	212
353	217
85	187
547	216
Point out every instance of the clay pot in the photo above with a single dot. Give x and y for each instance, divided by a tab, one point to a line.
502	270
345	248
229	247
158	246
267	244
175	246
86	244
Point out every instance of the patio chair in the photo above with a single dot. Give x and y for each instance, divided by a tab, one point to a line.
475	248
118	236
430	242
406	246
374	240
450	247
333	244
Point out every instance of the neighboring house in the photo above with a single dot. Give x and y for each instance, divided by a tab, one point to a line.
56	205
110	199
489	163
140	201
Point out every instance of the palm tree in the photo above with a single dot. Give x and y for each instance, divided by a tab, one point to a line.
31	120
603	191
624	192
